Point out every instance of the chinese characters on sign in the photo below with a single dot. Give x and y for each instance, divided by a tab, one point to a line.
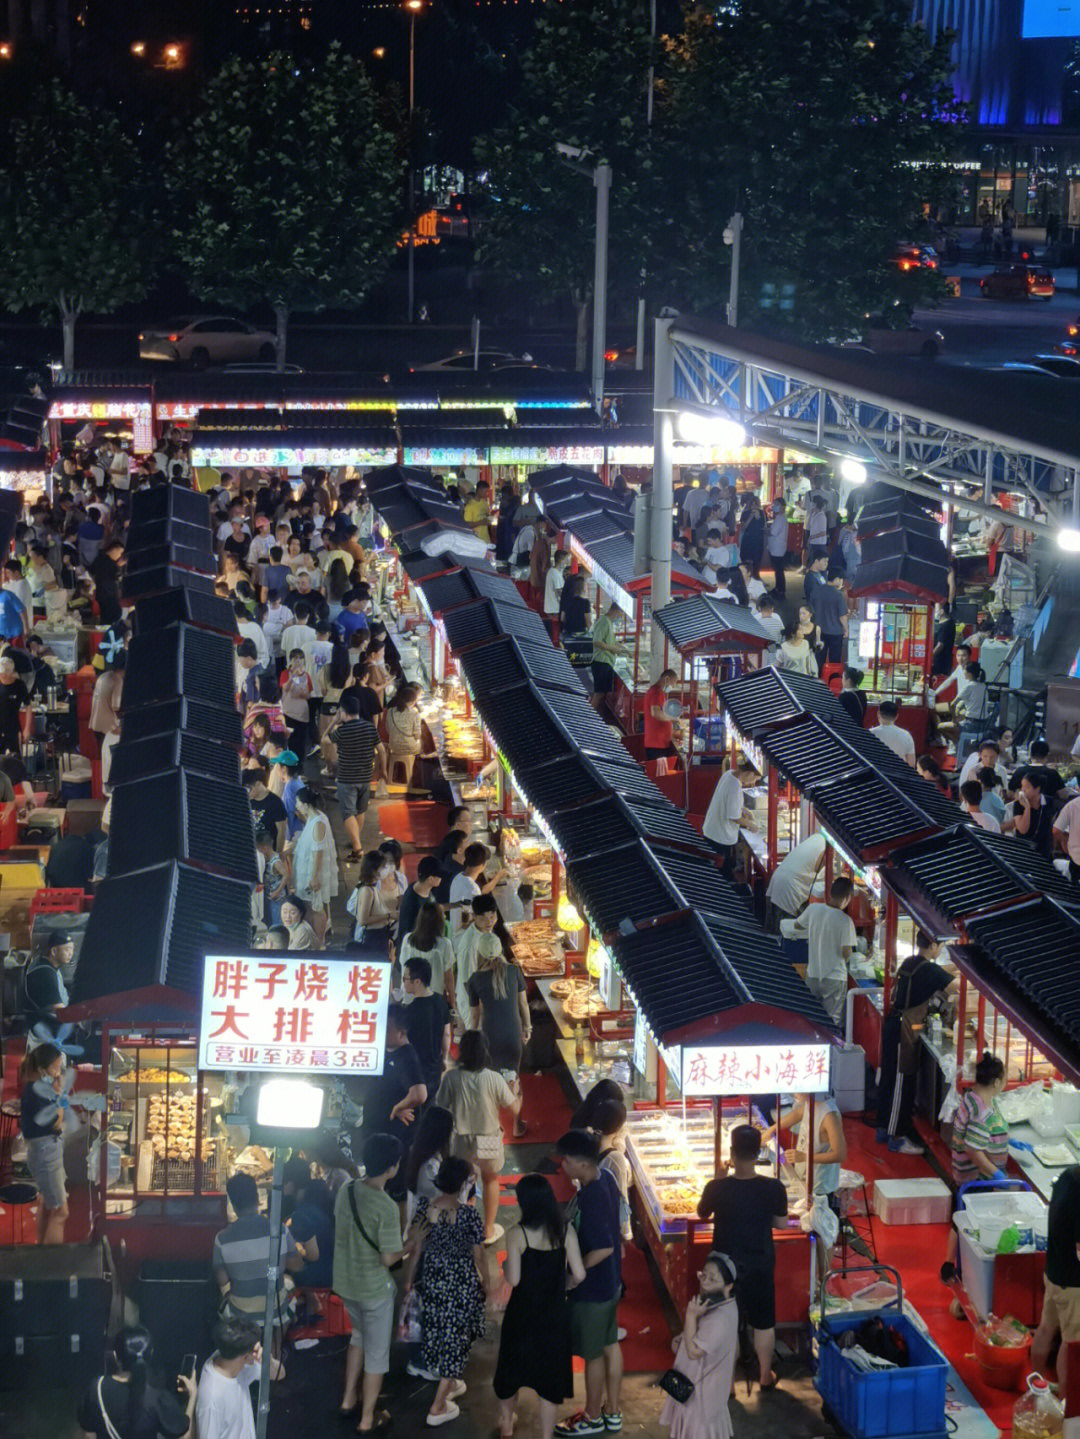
773	1069
275	1013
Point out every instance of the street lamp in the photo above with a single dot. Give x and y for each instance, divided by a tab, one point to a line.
578	159
733	237
854	471
711	430
412	8
1069	539
287	1105
139	48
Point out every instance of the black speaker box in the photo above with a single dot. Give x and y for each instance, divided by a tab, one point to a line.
173	607
157	926
181	661
199	558
219	722
170	532
135	759
182	816
141	581
894	543
54	1313
171	502
178	1303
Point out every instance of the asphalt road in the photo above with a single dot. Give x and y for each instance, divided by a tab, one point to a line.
991	332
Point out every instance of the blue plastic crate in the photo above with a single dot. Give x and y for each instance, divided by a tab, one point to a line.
892	1402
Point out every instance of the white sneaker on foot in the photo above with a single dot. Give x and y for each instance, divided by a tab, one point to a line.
450	1412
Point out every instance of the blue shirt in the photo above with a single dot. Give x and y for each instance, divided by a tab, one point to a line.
311	1220
12	615
348	622
595	1217
293	823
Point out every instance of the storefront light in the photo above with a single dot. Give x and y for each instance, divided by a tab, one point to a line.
854	471
568	919
1069	539
289	1104
698	427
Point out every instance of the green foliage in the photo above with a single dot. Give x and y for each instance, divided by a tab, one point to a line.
806	115
288	186
584	83
76	235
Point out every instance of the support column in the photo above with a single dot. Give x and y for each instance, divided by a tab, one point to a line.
662	499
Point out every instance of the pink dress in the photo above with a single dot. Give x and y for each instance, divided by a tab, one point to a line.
705	1414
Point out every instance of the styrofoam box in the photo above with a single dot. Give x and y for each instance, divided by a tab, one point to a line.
912	1201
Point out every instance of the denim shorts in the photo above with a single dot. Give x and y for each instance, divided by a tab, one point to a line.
353	799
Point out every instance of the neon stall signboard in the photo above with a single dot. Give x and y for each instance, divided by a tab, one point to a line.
719	1069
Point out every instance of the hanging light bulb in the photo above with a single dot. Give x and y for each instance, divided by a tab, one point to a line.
568	918
593	961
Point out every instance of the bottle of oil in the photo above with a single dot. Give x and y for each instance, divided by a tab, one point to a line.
1037	1414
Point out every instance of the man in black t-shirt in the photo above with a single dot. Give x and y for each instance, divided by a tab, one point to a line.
745	1208
392	1100
1061	1282
918	980
427	1017
428	878
267	810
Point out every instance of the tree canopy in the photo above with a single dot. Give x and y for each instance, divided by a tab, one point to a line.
289	185
76	235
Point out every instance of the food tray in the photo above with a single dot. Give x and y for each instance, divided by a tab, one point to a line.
181	1173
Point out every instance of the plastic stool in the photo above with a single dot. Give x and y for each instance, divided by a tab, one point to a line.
850	1211
18	1213
9	1127
329	1322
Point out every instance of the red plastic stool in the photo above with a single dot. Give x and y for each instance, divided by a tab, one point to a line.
331	1323
9	1127
18	1213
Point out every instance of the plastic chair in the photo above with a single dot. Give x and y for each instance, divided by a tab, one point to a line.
9	1127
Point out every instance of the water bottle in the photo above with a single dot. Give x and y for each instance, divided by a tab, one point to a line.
1037	1414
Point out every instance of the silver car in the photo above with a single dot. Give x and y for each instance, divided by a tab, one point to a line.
202	340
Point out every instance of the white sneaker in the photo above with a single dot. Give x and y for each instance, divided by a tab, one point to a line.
905	1146
620	1334
450	1412
497	1234
418	1373
457	1389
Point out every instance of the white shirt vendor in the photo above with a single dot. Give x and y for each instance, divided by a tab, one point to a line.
725	810
793	878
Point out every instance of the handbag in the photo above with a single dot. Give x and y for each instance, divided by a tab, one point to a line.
488	1146
675	1383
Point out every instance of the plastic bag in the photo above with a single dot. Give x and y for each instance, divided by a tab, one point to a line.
822	1221
409	1323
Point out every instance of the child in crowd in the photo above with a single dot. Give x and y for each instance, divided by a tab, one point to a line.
275	878
296	688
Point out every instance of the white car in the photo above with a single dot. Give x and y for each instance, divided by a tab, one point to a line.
203	340
462	361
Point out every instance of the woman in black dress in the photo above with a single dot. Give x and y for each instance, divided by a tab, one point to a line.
851	696
539	1252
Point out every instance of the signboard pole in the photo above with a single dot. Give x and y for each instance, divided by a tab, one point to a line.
271	1292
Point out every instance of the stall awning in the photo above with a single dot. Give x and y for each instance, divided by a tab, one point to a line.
616	820
620	886
629	779
507	662
598	527
463	586
868	816
558	784
695	979
966	873
704	623
582	723
136	759
901	579
420	567
531	720
808	752
701	886
1026	960
486	620
765	697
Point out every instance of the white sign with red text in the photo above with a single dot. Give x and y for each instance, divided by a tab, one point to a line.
717	1069
309	1013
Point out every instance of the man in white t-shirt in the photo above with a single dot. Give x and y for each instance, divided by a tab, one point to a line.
895	736
987	756
472	881
554	581
727	812
830	942
223	1408
249	630
971	804
792	881
1067	836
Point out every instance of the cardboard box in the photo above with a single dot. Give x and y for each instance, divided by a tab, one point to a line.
912	1201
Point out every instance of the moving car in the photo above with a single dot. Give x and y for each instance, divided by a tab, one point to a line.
909	339
1065	367
462	361
1070	345
1017	282
908	256
203	340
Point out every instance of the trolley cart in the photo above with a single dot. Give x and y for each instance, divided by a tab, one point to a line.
907	1403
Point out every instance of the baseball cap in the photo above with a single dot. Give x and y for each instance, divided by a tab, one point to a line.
59	937
285	757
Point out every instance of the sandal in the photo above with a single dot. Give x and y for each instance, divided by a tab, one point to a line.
378	1424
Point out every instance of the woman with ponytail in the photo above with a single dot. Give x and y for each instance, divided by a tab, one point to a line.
41	1118
124	1405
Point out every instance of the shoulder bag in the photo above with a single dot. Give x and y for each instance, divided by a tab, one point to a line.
675	1383
360	1226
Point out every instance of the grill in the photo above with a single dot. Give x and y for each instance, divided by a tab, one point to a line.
764	970
173	607
699	885
139	582
675	976
179	661
182	816
208	720
767	696
618	885
559	783
902	578
507	662
171	502
486	620
868	815
807	753
1033	949
155	927
134	759
181	1174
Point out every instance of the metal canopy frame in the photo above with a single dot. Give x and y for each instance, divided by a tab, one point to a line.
914	447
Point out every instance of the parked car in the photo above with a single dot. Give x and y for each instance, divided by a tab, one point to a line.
1017	282
909	339
462	361
908	256
1065	367
203	340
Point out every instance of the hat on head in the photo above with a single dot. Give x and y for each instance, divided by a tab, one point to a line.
59	937
285	757
262	522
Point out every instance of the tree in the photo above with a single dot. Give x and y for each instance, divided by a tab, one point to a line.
76	238
583	83
814	118
290	187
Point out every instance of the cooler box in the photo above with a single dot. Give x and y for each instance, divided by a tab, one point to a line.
894	1401
912	1201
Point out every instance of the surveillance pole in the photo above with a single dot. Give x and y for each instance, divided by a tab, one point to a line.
733	237
602	181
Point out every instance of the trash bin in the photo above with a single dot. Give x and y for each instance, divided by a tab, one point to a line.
178	1303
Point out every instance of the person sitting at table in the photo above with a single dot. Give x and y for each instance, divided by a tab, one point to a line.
990	783
955	679
971	793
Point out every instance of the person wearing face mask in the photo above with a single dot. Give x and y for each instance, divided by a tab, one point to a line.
659	726
485	915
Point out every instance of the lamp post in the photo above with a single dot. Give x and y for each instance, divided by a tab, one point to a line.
286	1105
733	237
413	8
578	159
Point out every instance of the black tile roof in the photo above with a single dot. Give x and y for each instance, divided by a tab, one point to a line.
868	815
808	752
617	885
582	723
487	619
593	528
764	969
443	592
179	661
764	697
699	885
623	775
903	579
556	784
508	661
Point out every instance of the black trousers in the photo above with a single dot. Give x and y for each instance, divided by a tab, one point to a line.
896	1091
780	584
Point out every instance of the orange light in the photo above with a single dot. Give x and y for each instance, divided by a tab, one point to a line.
379	52
5	52
173	339
138	48
172	54
1073	330
415	6
905	264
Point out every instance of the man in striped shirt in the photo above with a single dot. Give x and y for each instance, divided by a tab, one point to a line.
357	742
242	1253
